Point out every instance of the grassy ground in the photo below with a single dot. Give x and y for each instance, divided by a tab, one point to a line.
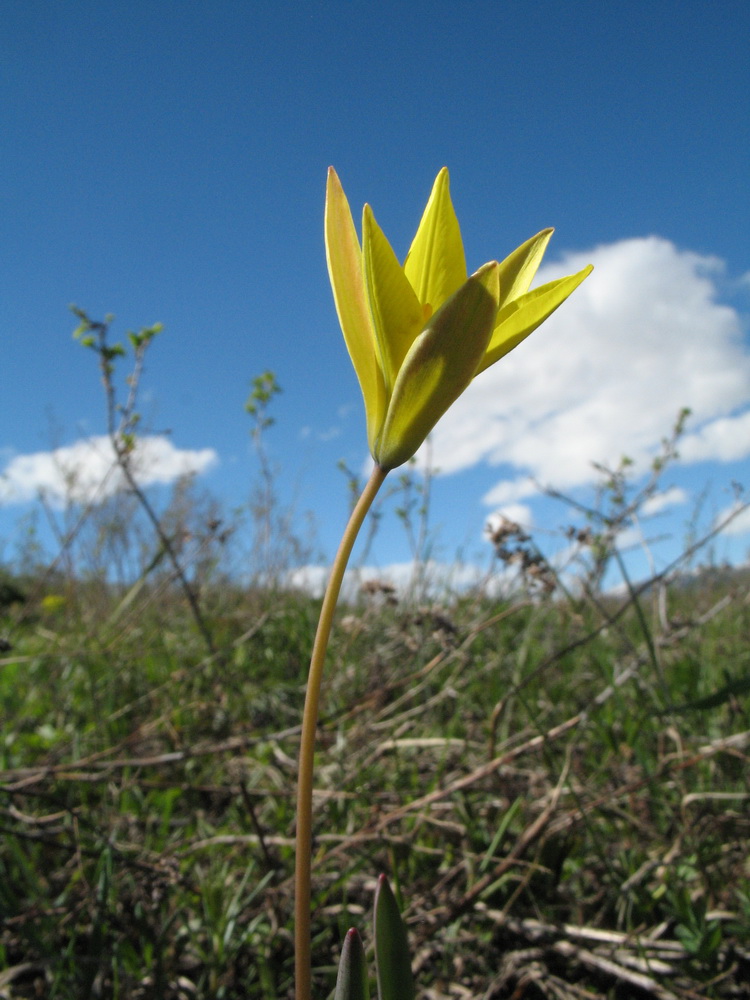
558	790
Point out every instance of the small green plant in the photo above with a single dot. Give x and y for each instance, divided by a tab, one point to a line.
391	947
123	420
700	936
277	543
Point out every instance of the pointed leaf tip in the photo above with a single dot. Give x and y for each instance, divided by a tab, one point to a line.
351	981
392	960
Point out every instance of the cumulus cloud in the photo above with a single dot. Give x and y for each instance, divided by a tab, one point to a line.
740	523
313	579
607	375
86	471
437	577
725	440
673	497
519	513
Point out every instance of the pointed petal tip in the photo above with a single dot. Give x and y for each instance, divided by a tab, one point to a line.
443	178
489	275
333	183
489	266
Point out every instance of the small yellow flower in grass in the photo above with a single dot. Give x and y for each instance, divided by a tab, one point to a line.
52	603
417	334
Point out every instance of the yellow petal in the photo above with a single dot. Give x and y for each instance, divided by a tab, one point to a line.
520	317
439	366
518	269
396	312
435	264
347	281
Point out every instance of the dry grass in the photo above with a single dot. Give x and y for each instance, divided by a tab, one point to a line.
559	796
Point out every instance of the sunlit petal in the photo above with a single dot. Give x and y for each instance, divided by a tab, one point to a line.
439	366
518	269
418	334
347	281
396	312
435	264
520	317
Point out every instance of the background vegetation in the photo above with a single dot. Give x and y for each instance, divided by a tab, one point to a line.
554	775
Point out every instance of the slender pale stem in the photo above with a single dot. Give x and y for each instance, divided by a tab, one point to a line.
303	860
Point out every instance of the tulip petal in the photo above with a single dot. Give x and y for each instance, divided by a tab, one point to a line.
435	264
350	295
520	317
440	365
518	269
396	312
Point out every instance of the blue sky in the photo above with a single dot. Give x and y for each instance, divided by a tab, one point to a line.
167	162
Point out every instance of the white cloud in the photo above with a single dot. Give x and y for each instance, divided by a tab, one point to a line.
740	525
330	434
519	513
726	440
673	497
607	374
439	577
311	579
508	491
86	470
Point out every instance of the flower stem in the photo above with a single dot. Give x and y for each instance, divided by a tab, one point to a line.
303	859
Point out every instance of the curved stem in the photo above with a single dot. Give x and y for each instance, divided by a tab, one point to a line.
303	859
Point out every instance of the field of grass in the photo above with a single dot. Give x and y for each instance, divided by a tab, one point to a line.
557	787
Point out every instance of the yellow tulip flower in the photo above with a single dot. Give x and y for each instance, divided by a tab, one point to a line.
417	334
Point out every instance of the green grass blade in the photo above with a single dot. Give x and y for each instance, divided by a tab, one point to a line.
499	835
734	687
